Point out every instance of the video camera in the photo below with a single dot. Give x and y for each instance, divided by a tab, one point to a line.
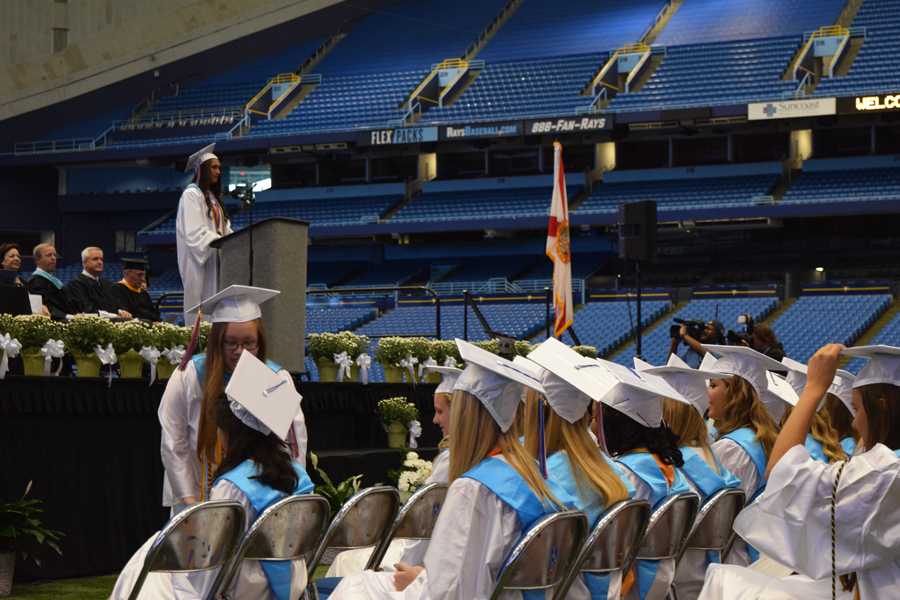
244	193
744	338
694	328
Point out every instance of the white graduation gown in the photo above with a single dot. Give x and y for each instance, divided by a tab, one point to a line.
412	552
736	460
472	537
250	582
197	261
791	521
179	417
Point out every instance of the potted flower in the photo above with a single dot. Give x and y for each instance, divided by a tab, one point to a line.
202	337
420	349
391	352
130	337
337	495
20	522
83	334
585	350
323	347
33	332
492	346
354	345
396	414
414	474
171	340
523	347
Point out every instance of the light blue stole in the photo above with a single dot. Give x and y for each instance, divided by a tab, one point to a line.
815	448
278	573
49	277
645	468
746	439
199	361
849	445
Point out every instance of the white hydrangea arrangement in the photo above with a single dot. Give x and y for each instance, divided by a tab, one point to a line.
415	472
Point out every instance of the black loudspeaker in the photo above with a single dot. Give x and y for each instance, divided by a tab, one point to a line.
637	230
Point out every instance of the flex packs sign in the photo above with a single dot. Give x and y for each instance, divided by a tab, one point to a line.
400	135
566	125
791	109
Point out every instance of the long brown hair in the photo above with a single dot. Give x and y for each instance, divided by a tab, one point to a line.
881	401
685	422
840	416
474	435
821	430
588	467
213	385
743	408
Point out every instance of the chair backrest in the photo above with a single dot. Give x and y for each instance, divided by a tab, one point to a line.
543	557
200	538
415	520
714	526
362	522
612	544
292	528
669	527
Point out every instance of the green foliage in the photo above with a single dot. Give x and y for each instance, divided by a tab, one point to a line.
84	332
489	345
165	336
132	335
326	345
419	347
391	350
8	325
585	350
33	331
202	337
397	408
337	495
523	347
20	522
441	349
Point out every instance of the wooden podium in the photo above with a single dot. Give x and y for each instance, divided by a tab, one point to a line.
279	262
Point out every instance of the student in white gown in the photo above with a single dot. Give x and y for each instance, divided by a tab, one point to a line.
702	470
746	430
411	552
583	477
256	472
201	219
646	449
496	493
188	444
792	520
822	441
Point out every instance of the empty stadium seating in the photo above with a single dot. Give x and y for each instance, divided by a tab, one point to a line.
719	73
873	69
889	335
515	319
320	319
698	21
655	344
605	325
857	185
582	26
815	320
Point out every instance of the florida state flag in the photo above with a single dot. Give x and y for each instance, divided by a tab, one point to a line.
558	246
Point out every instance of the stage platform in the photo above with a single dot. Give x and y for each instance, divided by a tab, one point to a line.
93	454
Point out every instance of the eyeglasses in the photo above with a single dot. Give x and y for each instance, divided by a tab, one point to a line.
232	346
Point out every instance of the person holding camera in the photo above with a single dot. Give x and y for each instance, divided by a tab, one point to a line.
694	337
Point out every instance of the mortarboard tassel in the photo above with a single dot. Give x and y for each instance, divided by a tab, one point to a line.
192	345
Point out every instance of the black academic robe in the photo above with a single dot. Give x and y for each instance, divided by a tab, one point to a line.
54	298
138	304
86	295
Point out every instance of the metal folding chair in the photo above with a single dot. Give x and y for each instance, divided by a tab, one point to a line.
201	538
612	545
543	557
415	520
362	522
290	529
713	528
669	527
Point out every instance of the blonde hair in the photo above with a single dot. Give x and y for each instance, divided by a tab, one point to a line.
685	422
823	432
474	435
743	408
588	467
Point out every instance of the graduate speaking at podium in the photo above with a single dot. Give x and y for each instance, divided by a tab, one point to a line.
189	449
201	220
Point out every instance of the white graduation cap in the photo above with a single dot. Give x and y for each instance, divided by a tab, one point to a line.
235	304
883	365
449	375
199	157
260	398
842	387
638	397
495	381
796	375
778	395
688	383
529	365
746	363
709	359
567	379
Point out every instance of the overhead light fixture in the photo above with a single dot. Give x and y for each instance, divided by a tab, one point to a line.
820	269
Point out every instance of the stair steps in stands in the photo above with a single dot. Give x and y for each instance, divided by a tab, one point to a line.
662	321
505	13
662	20
876	327
782	306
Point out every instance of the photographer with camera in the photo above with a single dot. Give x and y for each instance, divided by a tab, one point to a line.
759	337
694	334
